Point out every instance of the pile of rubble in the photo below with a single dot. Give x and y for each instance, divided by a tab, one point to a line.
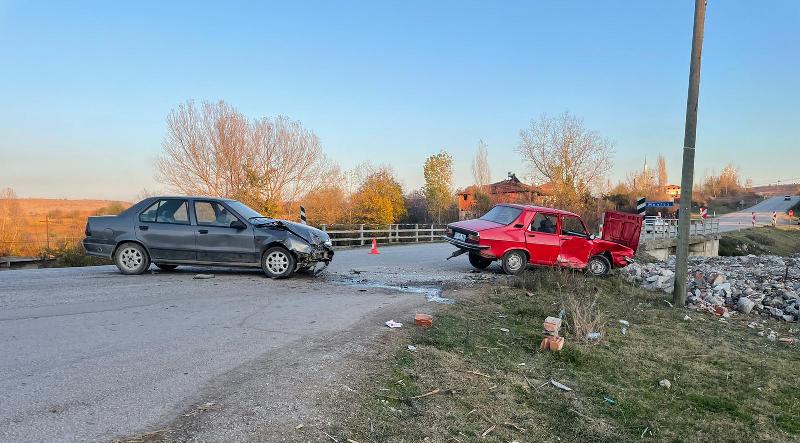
768	285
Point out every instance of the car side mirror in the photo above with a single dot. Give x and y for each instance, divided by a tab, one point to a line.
592	236
238	225
518	226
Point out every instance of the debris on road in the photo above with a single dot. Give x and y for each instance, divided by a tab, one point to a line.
423	320
203	276
199	409
394	324
561	386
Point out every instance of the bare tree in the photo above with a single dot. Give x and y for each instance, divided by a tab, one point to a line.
662	174
480	167
562	151
214	150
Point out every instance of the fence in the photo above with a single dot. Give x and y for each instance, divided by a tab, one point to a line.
360	235
669	229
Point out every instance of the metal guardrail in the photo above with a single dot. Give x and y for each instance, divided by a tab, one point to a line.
361	235
670	229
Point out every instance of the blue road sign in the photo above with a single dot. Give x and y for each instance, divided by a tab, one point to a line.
666	204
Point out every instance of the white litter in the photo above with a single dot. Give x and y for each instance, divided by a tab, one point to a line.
625	322
394	324
412	348
561	386
203	276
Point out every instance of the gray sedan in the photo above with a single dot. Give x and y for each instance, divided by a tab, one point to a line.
173	231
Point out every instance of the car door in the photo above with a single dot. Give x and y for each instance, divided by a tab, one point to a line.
165	230
218	242
542	240
622	228
575	243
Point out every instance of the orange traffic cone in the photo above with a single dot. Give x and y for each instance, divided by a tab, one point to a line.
374	247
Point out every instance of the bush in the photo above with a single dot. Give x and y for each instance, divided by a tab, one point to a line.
72	256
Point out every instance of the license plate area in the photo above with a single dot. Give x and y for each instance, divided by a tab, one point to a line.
460	236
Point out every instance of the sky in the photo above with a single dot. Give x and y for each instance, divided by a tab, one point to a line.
85	86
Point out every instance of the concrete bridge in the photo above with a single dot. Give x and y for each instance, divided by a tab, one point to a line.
662	241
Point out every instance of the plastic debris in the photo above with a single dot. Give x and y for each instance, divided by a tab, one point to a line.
609	400
665	384
412	348
687	318
561	386
624	331
203	276
593	336
394	324
624	322
504	330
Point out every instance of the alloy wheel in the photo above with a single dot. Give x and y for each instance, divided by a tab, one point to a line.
277	262
131	258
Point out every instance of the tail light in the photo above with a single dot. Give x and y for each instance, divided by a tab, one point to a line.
449	232
88	231
474	238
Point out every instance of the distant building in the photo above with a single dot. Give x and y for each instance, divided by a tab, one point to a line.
673	191
511	190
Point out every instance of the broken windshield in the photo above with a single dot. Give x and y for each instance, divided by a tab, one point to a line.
503	215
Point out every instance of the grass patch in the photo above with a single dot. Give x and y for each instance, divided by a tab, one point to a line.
782	240
482	361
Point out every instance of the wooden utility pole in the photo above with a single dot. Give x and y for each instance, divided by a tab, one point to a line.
687	174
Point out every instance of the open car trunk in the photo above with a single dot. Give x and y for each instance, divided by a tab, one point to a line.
622	228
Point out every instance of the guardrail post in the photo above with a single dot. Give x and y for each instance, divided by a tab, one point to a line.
361	233
431	231
322	227
416	233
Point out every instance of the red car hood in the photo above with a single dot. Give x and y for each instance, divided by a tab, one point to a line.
475	225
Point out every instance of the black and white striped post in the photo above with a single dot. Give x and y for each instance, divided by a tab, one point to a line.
641	205
303	215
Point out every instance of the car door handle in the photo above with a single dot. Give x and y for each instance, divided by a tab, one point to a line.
531	235
203	231
143	227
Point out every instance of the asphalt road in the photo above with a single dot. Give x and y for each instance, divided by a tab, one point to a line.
87	354
743	219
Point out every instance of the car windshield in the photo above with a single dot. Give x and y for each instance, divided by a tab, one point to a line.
503	215
244	210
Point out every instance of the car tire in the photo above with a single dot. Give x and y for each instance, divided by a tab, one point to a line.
166	267
479	262
278	262
514	262
598	266
131	259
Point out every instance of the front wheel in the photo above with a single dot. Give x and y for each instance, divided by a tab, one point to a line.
514	262
277	262
131	259
479	262
598	266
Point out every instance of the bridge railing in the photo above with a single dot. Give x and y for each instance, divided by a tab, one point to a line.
669	229
362	234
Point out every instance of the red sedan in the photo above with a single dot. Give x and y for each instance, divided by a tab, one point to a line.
519	235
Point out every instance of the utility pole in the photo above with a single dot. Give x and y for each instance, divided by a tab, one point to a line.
687	174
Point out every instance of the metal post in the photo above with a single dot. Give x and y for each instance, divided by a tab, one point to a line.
361	230
416	233
689	140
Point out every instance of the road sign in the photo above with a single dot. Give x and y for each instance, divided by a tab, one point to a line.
665	204
703	213
791	213
641	205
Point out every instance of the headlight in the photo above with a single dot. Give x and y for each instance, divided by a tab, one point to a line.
328	243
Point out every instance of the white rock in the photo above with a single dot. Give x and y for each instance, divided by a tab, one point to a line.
665	384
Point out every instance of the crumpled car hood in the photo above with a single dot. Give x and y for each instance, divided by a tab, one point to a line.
309	233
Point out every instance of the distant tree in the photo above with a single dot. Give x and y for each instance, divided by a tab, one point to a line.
113	208
748	185
214	150
662	174
562	151
438	172
379	199
483	202
481	174
729	183
327	205
416	207
10	221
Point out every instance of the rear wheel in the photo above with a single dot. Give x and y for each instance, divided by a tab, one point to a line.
598	266
166	267
514	262
479	262
277	262
131	259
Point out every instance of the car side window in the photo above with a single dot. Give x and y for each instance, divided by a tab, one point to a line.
213	214
173	211
149	214
572	226
545	223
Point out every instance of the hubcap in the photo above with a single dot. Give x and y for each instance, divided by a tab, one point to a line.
598	267
131	259
277	262
514	262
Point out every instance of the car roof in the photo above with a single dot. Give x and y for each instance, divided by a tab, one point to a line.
191	197
539	209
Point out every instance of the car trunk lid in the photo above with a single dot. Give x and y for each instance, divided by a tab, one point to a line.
622	228
475	225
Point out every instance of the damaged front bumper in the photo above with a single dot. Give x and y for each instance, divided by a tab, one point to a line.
464	245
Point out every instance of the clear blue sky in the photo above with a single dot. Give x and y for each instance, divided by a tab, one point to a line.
85	86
